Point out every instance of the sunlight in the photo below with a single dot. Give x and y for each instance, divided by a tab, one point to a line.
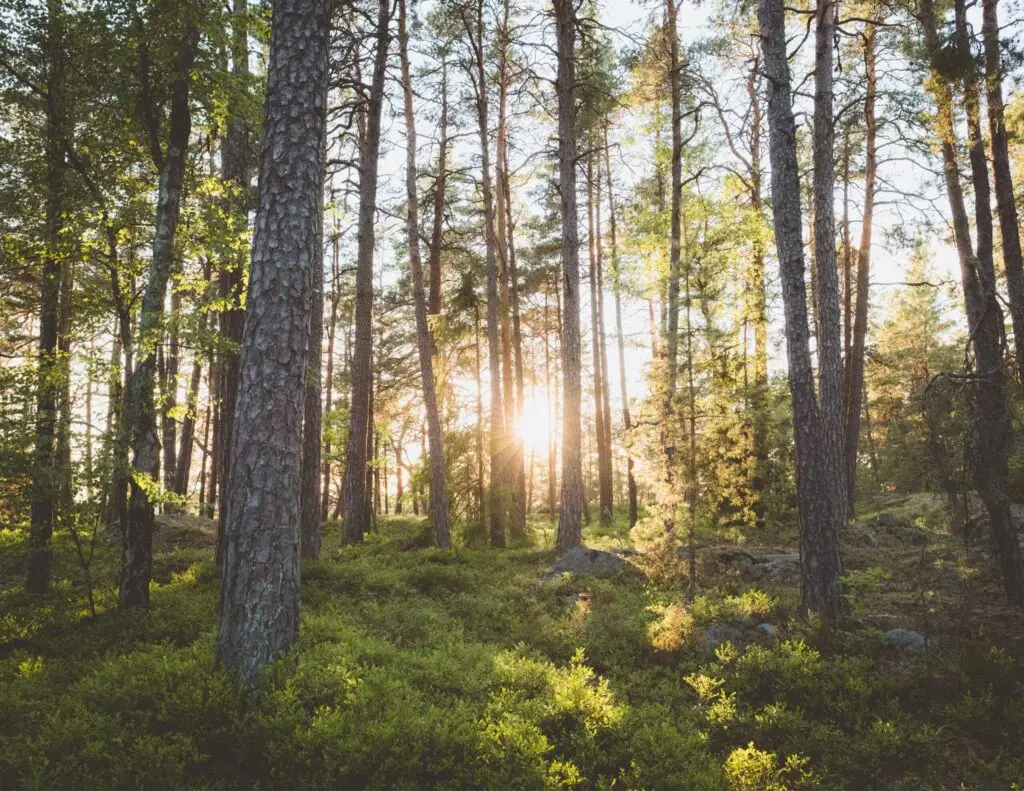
534	426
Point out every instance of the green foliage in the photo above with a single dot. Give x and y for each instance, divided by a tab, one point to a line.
429	669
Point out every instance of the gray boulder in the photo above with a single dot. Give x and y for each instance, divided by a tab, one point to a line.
904	640
580	560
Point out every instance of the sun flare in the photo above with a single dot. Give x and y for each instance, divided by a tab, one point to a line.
535	424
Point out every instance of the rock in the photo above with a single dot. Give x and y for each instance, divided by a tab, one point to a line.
713	635
780	565
768	630
580	560
914	535
887	520
904	640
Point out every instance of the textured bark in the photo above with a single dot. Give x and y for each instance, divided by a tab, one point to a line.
438	484
259	602
990	435
236	170
821	566
45	484
356	508
830	347
855	360
1009	230
137	555
627	421
569	528
312	410
440	185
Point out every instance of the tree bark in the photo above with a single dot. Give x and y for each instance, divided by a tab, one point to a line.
820	519
990	435
830	346
569	528
438	483
499	488
137	555
236	171
259	602
440	186
855	361
45	483
627	421
357	511
312	421
1009	230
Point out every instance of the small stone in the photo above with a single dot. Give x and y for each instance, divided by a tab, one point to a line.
768	629
905	640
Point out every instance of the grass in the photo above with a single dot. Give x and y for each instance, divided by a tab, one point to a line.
418	668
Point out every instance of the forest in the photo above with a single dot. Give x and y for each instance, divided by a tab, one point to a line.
511	394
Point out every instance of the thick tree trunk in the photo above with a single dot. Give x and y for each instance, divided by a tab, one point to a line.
1009	229
569	527
990	435
855	362
137	557
356	508
438	483
821	566
830	346
259	602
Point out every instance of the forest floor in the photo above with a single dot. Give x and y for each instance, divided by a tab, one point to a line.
473	668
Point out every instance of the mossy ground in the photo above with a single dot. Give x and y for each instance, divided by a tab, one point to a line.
420	669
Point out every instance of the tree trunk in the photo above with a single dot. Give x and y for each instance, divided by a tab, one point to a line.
855	362
569	528
137	557
1009	230
332	332
627	421
830	346
45	484
438	483
236	173
605	515
498	496
312	410
820	564
169	390
440	185
674	269
355	506
990	434
259	602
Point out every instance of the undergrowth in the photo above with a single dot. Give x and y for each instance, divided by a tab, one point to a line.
418	668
